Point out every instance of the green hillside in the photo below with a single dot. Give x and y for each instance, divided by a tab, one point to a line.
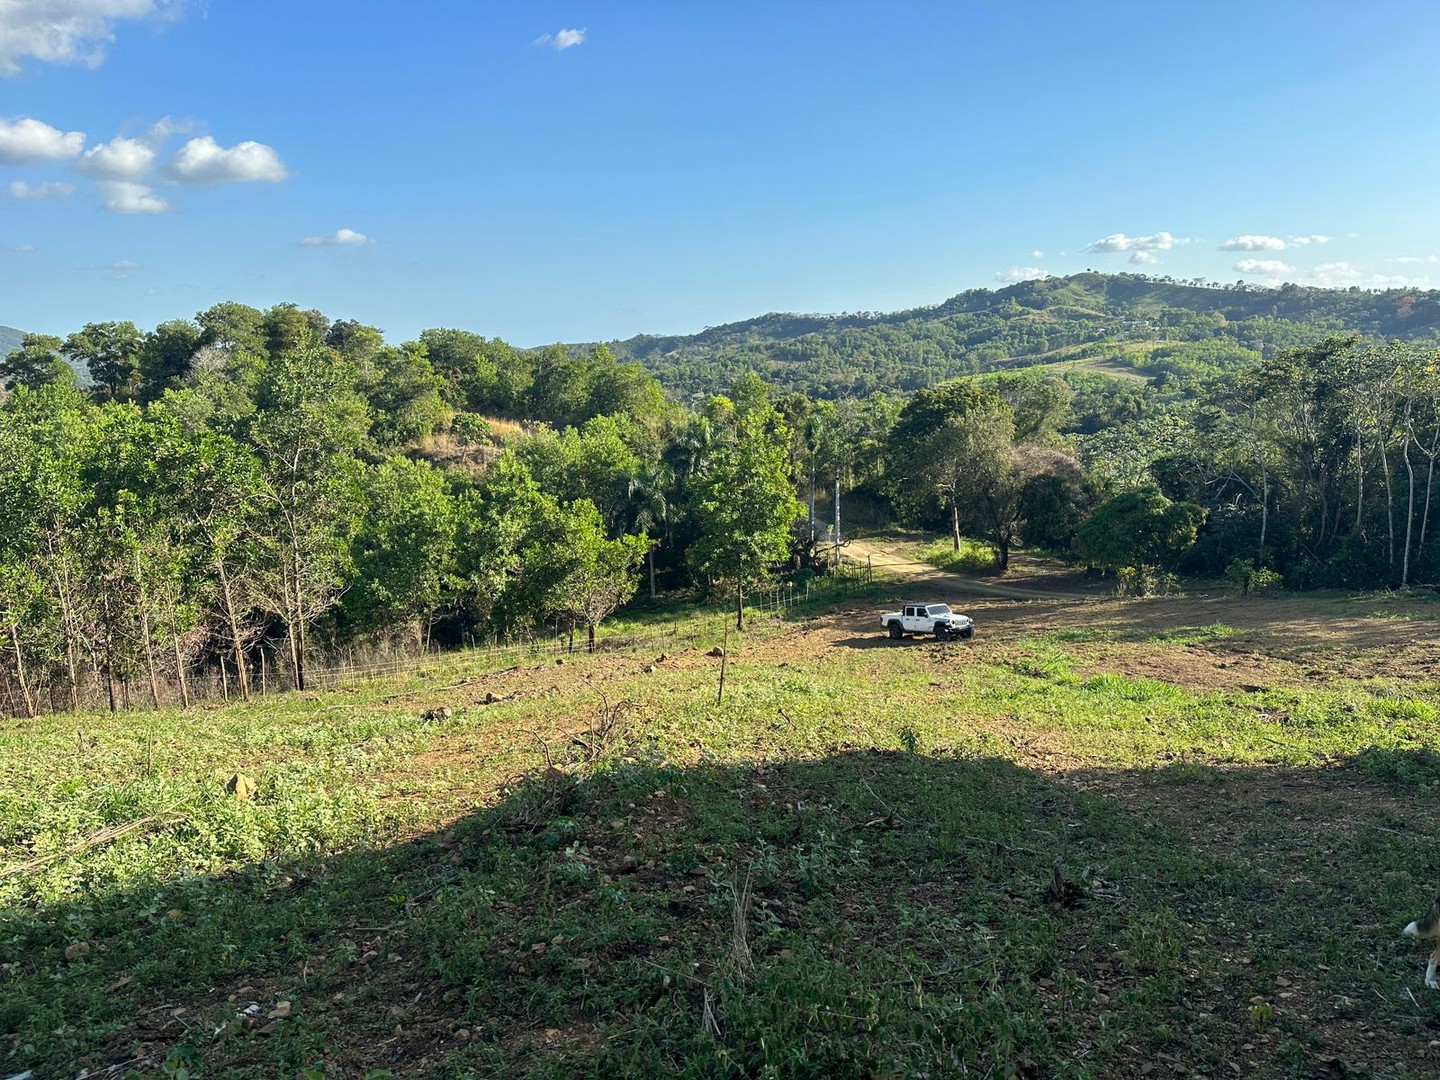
1088	319
9	339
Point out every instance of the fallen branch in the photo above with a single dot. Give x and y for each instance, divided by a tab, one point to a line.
104	836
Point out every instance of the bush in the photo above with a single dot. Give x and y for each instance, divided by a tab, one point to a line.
1247	578
1145	581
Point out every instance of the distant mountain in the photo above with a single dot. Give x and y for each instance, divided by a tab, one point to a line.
9	339
1094	318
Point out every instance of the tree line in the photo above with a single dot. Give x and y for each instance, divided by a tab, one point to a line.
253	487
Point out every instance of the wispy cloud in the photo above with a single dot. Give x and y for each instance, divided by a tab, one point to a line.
1342	275
1254	242
339	238
204	161
1022	273
68	31
45	192
1037	254
129	197
116	271
561	39
1160	241
1417	259
1264	267
1261	242
1144	258
26	141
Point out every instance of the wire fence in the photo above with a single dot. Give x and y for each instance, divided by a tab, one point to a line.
267	672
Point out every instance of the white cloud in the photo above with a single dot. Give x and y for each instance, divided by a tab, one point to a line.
1021	273
1161	241
128	197
119	159
1264	267
116	271
68	31
339	238
1144	258
1301	241
204	161
561	39
1037	254
1343	275
1252	242
26	141
1417	259
19	189
20	249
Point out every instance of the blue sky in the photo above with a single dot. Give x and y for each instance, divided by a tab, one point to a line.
582	171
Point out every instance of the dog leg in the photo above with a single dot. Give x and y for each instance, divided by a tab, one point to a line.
1432	970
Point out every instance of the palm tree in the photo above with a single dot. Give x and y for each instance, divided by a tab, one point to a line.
650	508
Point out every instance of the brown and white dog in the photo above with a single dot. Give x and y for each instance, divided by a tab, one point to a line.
1427	928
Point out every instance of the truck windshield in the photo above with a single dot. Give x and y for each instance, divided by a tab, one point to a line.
938	609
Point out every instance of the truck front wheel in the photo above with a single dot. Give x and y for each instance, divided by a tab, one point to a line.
895	632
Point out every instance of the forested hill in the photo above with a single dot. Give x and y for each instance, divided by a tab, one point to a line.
9	339
1089	318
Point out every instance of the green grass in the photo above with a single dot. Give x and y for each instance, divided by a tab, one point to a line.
974	556
924	896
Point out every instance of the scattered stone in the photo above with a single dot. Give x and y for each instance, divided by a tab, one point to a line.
240	786
559	659
76	950
649	669
281	1010
438	714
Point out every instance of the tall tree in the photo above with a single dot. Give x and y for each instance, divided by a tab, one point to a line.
37	362
309	423
109	351
745	504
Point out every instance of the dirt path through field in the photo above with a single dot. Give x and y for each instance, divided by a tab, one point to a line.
1036	582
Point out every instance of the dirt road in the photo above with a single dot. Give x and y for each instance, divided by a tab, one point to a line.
1035	581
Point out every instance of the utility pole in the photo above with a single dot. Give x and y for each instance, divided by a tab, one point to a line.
812	501
837	520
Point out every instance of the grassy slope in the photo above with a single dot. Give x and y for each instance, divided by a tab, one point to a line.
1081	846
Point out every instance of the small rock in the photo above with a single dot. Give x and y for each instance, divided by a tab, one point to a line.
661	658
648	669
463	1033
559	659
241	786
76	950
440	713
281	1010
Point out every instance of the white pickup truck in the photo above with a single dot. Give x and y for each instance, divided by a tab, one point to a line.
935	619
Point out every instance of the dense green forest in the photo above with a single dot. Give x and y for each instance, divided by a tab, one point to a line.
1084	317
252	491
